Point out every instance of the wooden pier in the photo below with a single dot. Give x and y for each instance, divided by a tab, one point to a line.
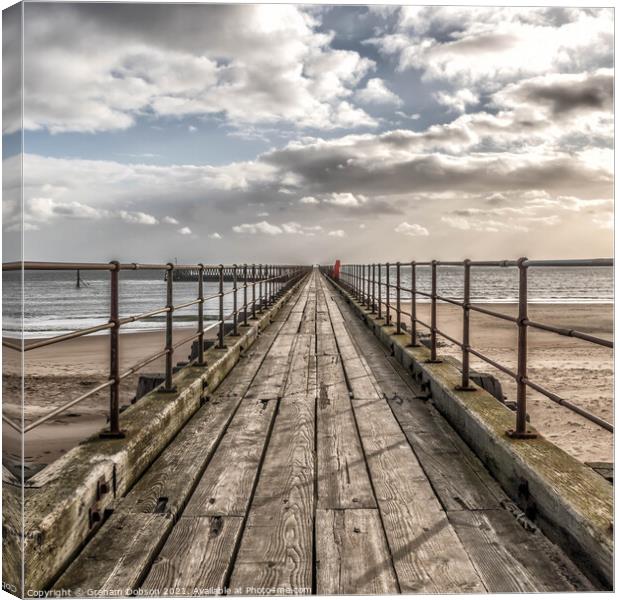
317	466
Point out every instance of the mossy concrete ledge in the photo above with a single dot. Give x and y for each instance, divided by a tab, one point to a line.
570	502
67	500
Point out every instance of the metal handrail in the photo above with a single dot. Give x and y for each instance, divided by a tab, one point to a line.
366	284
272	281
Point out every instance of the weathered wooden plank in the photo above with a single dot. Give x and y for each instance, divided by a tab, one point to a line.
511	559
458	478
276	546
226	487
352	556
342	480
428	556
196	558
118	557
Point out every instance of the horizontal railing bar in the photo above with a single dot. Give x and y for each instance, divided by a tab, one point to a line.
88	266
186	340
493	363
563	402
450	300
571	333
146	315
69	404
187	304
12	424
56	266
423	323
577	262
492	313
68	336
12	345
450	338
142	363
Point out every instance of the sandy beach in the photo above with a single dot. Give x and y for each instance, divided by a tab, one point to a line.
577	370
574	369
56	374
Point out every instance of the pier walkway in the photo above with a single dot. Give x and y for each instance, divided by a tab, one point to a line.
318	466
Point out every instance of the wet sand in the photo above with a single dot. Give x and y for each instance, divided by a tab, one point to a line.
577	370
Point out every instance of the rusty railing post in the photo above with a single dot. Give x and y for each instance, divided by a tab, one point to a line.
374	297
434	358
414	307
220	335
114	431
260	288
398	297
521	430
254	291
367	282
245	294
168	387
201	317
387	293
234	331
363	284
465	383
379	290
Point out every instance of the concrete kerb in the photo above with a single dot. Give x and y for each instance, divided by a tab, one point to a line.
571	503
66	501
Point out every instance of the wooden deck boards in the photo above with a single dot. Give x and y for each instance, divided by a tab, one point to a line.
316	467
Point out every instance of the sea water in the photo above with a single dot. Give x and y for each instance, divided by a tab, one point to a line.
53	304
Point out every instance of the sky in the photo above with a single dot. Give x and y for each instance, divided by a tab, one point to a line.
302	134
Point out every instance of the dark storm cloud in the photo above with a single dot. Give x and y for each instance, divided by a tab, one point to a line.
342	171
592	92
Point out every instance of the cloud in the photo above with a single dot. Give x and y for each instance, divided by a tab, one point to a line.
376	92
486	47
139	217
170	221
346	199
413	116
215	236
185	231
263	227
339	233
458	101
411	229
309	200
345	171
186	60
563	94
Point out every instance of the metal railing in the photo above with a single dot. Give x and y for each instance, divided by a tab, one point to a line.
271	280
366	284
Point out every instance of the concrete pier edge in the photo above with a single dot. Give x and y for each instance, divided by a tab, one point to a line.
570	503
62	501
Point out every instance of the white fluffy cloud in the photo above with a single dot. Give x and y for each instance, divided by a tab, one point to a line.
458	101
252	63
262	227
185	231
376	92
486	47
411	229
